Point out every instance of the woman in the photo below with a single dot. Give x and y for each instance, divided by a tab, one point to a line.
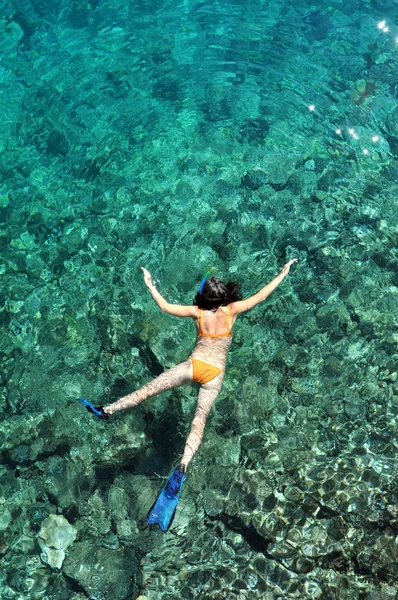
215	309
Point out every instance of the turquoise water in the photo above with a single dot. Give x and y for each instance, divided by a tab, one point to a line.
180	136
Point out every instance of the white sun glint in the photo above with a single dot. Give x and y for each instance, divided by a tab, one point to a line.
381	25
351	131
365	151
338	131
375	138
311	107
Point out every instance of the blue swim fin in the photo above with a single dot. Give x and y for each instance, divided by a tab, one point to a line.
162	512
98	411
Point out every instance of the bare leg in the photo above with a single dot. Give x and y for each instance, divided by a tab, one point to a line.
207	394
179	375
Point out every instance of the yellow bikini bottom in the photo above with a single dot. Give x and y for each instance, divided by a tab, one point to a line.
203	372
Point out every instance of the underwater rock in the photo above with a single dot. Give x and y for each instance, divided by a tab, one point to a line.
5	518
37	512
4	200
73	237
57	143
279	166
254	130
304	182
54	537
99	523
380	555
69	480
363	89
320	23
10	35
26	241
4	542
24	579
253	180
16	439
103	573
21	454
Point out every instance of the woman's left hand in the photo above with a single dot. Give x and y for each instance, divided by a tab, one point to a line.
286	267
147	277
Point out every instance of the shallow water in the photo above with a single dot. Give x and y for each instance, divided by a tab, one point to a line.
180	136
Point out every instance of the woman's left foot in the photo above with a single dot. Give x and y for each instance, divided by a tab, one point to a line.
162	512
174	484
98	411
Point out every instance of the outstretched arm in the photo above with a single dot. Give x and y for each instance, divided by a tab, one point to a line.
242	305
177	310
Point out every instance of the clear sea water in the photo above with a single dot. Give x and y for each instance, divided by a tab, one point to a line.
181	136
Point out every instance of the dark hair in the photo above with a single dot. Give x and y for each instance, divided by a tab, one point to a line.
216	293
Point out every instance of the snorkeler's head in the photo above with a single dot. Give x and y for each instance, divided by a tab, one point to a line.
214	293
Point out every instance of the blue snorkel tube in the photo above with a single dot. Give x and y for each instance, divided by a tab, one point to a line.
205	278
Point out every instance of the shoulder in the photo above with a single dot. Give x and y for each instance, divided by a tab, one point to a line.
196	311
229	309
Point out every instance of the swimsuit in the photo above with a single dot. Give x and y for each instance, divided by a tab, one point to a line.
203	371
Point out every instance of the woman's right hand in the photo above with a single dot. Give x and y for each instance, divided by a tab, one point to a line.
147	277
286	267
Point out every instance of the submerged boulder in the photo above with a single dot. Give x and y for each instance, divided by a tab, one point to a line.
102	572
54	537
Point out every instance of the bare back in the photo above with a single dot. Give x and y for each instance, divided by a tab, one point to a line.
213	336
214	323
